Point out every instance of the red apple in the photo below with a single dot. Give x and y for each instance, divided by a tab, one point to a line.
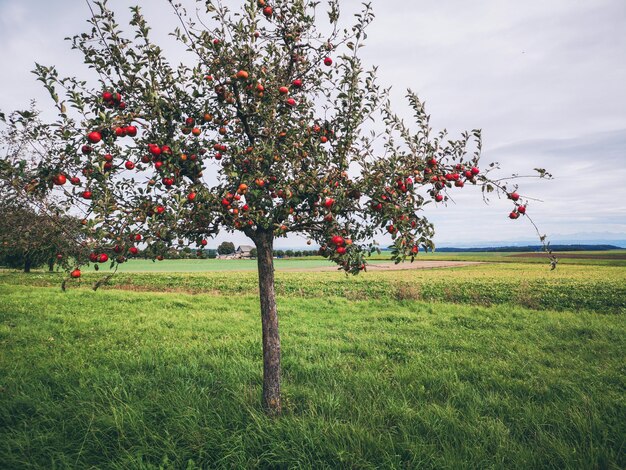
75	274
513	196
131	131
191	197
297	83
129	165
328	61
94	137
268	11
283	90
86	194
103	258
60	179
337	240
341	250
328	203
133	250
521	209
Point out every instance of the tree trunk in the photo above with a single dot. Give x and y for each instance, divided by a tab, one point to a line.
264	242
27	264
51	265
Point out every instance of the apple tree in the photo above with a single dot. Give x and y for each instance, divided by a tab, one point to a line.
33	231
271	125
30	238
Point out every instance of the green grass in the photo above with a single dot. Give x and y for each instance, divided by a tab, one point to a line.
573	287
124	380
601	258
216	265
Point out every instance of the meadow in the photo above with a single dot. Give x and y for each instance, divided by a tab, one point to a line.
498	365
602	258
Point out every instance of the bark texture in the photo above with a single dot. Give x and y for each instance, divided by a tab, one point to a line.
27	264
264	242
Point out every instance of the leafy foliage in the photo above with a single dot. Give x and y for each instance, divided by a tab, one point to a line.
226	248
29	239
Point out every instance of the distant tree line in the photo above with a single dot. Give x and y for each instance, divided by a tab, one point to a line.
295	253
225	248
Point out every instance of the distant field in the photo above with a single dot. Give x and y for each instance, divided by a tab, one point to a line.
603	258
217	265
606	258
569	287
576	255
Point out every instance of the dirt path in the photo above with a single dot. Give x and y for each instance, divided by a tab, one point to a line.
390	266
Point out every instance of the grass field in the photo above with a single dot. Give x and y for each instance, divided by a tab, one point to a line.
501	365
603	258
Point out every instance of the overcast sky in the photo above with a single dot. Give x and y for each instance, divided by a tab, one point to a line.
544	79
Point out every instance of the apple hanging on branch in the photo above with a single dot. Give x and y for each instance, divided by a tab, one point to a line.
265	135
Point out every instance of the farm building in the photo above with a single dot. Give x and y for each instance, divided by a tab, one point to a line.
244	251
